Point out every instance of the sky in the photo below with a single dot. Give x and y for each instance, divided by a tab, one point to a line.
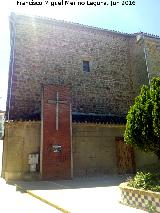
141	16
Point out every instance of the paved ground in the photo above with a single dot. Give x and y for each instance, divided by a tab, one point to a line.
81	195
17	202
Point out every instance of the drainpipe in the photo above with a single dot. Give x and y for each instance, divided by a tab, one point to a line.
145	55
12	27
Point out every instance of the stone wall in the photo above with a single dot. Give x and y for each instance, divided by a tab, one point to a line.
46	51
152	47
1	124
51	52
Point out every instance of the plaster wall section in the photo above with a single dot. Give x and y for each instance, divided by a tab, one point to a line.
145	160
21	139
94	149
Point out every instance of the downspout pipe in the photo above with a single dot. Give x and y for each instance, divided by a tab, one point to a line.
146	60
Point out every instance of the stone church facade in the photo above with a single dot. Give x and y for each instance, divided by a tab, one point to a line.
69	89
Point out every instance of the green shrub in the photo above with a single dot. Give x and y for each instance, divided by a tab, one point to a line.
143	119
152	168
146	181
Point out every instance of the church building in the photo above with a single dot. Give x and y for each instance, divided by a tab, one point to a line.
70	87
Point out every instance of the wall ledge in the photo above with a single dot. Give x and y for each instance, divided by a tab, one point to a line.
19	123
85	124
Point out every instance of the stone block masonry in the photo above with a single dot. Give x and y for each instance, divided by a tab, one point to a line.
52	52
152	47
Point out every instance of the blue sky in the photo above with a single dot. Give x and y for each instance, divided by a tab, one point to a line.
143	16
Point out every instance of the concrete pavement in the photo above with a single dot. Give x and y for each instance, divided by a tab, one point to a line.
17	202
81	195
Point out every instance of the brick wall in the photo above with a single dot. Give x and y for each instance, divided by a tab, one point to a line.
56	130
51	52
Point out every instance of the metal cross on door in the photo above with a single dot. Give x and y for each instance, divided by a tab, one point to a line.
57	102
